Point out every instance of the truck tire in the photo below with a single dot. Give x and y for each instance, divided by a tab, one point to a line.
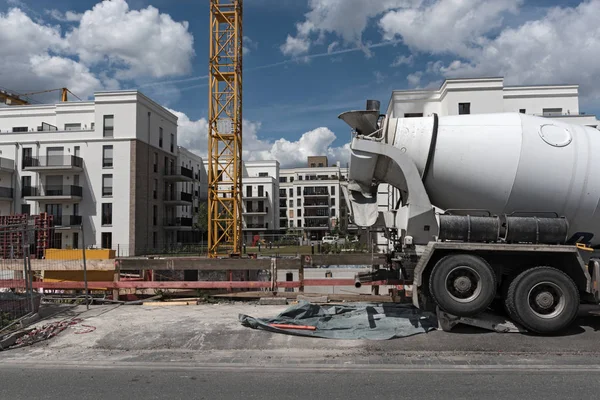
462	284
543	299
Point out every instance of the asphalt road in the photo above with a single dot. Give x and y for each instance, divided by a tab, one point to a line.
190	382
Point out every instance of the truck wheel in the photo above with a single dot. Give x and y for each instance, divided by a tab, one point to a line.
543	300
462	284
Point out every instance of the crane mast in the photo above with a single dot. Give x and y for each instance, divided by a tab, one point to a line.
225	129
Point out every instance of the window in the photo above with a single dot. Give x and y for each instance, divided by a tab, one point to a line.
155	162
20	129
93	125
320	165
298	191
333	190
25	209
77	151
75	240
263	174
166	165
522	111
154	215
248	191
333	212
107	185
291	192
27	157
72	127
551	111
312	165
297	202
333	201
413	115
261	191
299	223
282	179
172	143
107	156
291	203
106	213
160	137
109	121
464	108
300	177
299	213
106	240
291	179
155	190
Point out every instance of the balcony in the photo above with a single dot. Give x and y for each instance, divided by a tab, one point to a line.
258	211
7	165
256	227
256	196
179	223
179	174
316	204
316	192
6	193
53	163
48	193
66	221
316	223
318	215
178	199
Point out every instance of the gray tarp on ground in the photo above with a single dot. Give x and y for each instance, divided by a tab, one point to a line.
350	321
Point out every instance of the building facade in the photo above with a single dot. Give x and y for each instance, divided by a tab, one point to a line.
110	166
311	199
490	95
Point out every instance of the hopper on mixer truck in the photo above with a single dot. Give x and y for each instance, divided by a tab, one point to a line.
520	220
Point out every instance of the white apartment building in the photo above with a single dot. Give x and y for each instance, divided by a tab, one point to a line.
260	195
311	198
110	165
490	95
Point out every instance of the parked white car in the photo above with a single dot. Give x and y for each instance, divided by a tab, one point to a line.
329	240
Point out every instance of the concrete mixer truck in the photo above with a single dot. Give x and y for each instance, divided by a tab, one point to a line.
494	210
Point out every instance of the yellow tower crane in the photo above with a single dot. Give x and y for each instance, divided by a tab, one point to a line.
225	129
14	99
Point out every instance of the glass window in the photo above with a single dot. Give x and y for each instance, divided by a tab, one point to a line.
106	213
107	185
107	156
109	121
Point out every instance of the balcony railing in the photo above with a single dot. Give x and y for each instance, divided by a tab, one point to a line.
7	164
179	171
6	193
317	215
66	220
179	196
256	226
316	204
53	161
316	192
48	191
179	222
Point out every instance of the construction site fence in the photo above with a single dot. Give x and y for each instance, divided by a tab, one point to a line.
264	248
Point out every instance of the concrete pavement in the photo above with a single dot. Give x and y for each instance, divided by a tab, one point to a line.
212	334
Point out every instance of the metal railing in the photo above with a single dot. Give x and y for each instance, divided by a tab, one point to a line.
178	196
176	171
51	190
53	161
316	192
7	193
5	163
67	220
178	221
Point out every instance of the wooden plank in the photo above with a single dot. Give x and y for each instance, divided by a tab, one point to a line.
195	263
294	295
59	265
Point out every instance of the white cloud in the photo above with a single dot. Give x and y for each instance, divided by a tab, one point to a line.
123	43
138	43
248	45
69	16
346	18
414	79
560	47
193	135
446	25
403	60
295	46
379	76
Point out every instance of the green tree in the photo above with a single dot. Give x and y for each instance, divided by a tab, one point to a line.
201	220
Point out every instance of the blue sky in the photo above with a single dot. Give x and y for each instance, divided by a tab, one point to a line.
294	89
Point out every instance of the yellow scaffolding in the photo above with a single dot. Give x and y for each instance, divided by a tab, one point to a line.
225	129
